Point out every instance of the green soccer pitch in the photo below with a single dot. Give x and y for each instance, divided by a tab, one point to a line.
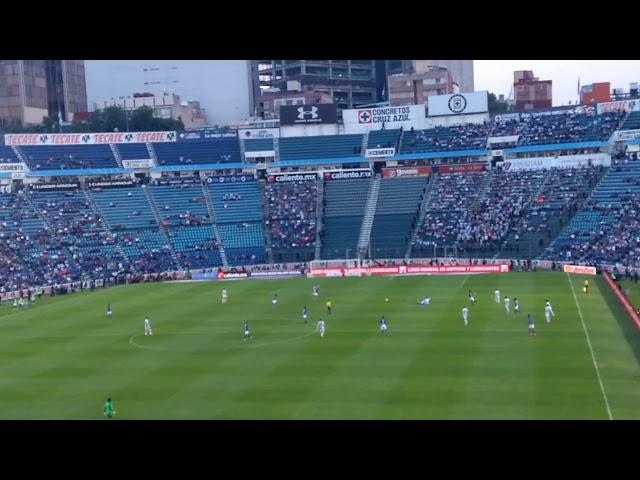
63	357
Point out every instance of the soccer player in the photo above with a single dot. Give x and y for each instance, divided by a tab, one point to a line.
472	297
516	305
321	327
465	315
497	295
224	295
548	312
21	302
328	304
109	311
247	332
108	410
425	301
383	325
147	326
586	286
532	325
304	314
274	300
507	304
316	291
33	297
15	302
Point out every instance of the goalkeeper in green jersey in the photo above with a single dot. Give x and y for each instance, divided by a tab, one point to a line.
109	412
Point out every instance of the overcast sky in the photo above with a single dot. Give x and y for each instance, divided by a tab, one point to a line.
497	75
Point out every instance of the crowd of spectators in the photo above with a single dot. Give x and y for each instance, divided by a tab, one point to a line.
292	214
460	137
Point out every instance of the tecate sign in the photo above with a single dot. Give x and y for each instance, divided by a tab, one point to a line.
458	104
380	152
87	138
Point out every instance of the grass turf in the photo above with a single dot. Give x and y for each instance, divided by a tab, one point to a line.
62	358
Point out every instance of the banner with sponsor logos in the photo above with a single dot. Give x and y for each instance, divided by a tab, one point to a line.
567	161
252	133
144	163
409	270
462	168
397	172
346	174
579	269
13	167
230	179
380	152
55	186
623	135
458	104
292	177
362	119
321	113
204	134
260	154
111	184
504	139
627	105
87	138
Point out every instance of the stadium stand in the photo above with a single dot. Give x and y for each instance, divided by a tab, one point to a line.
238	210
345	201
51	157
133	151
464	137
7	155
325	146
219	150
383	138
396	214
631	123
258	145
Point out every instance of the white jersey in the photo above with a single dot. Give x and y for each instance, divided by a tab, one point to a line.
497	296
321	327
224	294
425	301
548	306
516	306
548	313
147	327
507	303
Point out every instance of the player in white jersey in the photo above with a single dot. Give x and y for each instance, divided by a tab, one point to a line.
15	302
224	295
507	304
497	295
548	313
472	297
274	300
147	327
547	303
425	301
109	311
321	328
465	315
516	305
305	314
316	291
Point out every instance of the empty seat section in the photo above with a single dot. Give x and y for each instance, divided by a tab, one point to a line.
221	150
133	151
325	146
49	157
125	208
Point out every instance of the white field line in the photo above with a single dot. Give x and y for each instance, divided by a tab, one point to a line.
595	364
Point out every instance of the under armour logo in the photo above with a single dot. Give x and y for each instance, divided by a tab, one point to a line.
302	112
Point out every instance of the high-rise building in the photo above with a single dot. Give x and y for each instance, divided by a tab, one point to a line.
415	88
350	83
531	92
33	89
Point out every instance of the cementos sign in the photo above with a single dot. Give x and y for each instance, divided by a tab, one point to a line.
568	161
87	138
346	174
292	177
13	167
380	152
458	104
406	172
144	163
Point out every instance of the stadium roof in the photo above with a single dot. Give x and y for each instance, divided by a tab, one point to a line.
555	146
202	166
79	172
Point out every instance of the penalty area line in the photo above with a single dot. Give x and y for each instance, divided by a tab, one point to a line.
593	357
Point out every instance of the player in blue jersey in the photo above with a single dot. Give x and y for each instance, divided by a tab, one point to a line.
383	325
305	314
247	332
109	311
472	297
532	325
